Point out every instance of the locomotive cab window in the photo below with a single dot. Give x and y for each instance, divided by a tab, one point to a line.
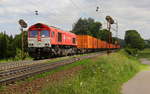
33	33
74	40
44	33
59	37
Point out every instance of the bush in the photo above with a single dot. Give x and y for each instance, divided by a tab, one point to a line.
131	51
21	55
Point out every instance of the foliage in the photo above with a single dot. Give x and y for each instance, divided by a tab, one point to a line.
87	27
134	40
104	35
3	45
131	51
104	75
10	44
144	54
91	27
147	43
21	55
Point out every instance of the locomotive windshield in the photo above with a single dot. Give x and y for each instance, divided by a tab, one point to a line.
33	33
44	33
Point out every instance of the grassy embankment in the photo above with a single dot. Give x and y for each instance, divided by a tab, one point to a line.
101	75
12	60
29	58
144	54
57	69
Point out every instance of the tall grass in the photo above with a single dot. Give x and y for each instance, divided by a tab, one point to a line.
102	75
144	54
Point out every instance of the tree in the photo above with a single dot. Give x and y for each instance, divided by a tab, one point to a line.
3	45
104	35
81	27
94	29
9	45
134	40
87	27
147	43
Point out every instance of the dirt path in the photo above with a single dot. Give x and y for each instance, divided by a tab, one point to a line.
140	84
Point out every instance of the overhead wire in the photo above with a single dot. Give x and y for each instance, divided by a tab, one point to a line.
38	8
56	15
116	23
45	8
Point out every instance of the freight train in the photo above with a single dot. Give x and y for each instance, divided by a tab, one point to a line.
46	41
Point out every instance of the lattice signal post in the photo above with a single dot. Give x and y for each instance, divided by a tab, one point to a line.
110	21
22	24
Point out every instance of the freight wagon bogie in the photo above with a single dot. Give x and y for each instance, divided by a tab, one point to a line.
60	50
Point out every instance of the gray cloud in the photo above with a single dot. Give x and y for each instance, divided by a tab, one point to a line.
131	14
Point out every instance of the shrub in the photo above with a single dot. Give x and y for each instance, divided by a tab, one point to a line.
131	51
21	55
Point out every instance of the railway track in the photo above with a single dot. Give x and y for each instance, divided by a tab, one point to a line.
11	65
16	64
20	73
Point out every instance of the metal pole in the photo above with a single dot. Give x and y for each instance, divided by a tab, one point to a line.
109	38
23	24
117	33
22	43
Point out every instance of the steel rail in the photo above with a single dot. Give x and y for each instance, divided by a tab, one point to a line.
14	75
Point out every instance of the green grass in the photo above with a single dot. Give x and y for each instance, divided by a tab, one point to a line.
13	59
103	75
144	54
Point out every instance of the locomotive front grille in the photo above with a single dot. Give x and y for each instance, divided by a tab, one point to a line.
33	42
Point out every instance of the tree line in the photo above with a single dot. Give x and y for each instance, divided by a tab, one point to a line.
10	45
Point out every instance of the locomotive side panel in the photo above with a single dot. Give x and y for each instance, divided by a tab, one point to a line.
60	37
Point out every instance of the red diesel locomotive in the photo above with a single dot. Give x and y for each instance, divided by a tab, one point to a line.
46	41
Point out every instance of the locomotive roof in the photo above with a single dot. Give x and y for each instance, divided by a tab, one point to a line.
47	26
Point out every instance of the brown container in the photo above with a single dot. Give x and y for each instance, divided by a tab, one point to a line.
84	41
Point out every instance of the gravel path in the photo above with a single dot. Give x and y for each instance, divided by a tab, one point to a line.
140	84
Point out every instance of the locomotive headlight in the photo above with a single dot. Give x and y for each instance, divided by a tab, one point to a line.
46	44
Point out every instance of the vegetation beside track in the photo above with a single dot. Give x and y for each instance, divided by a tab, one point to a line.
101	75
58	69
144	54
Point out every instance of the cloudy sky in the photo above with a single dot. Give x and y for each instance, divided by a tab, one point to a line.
130	14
